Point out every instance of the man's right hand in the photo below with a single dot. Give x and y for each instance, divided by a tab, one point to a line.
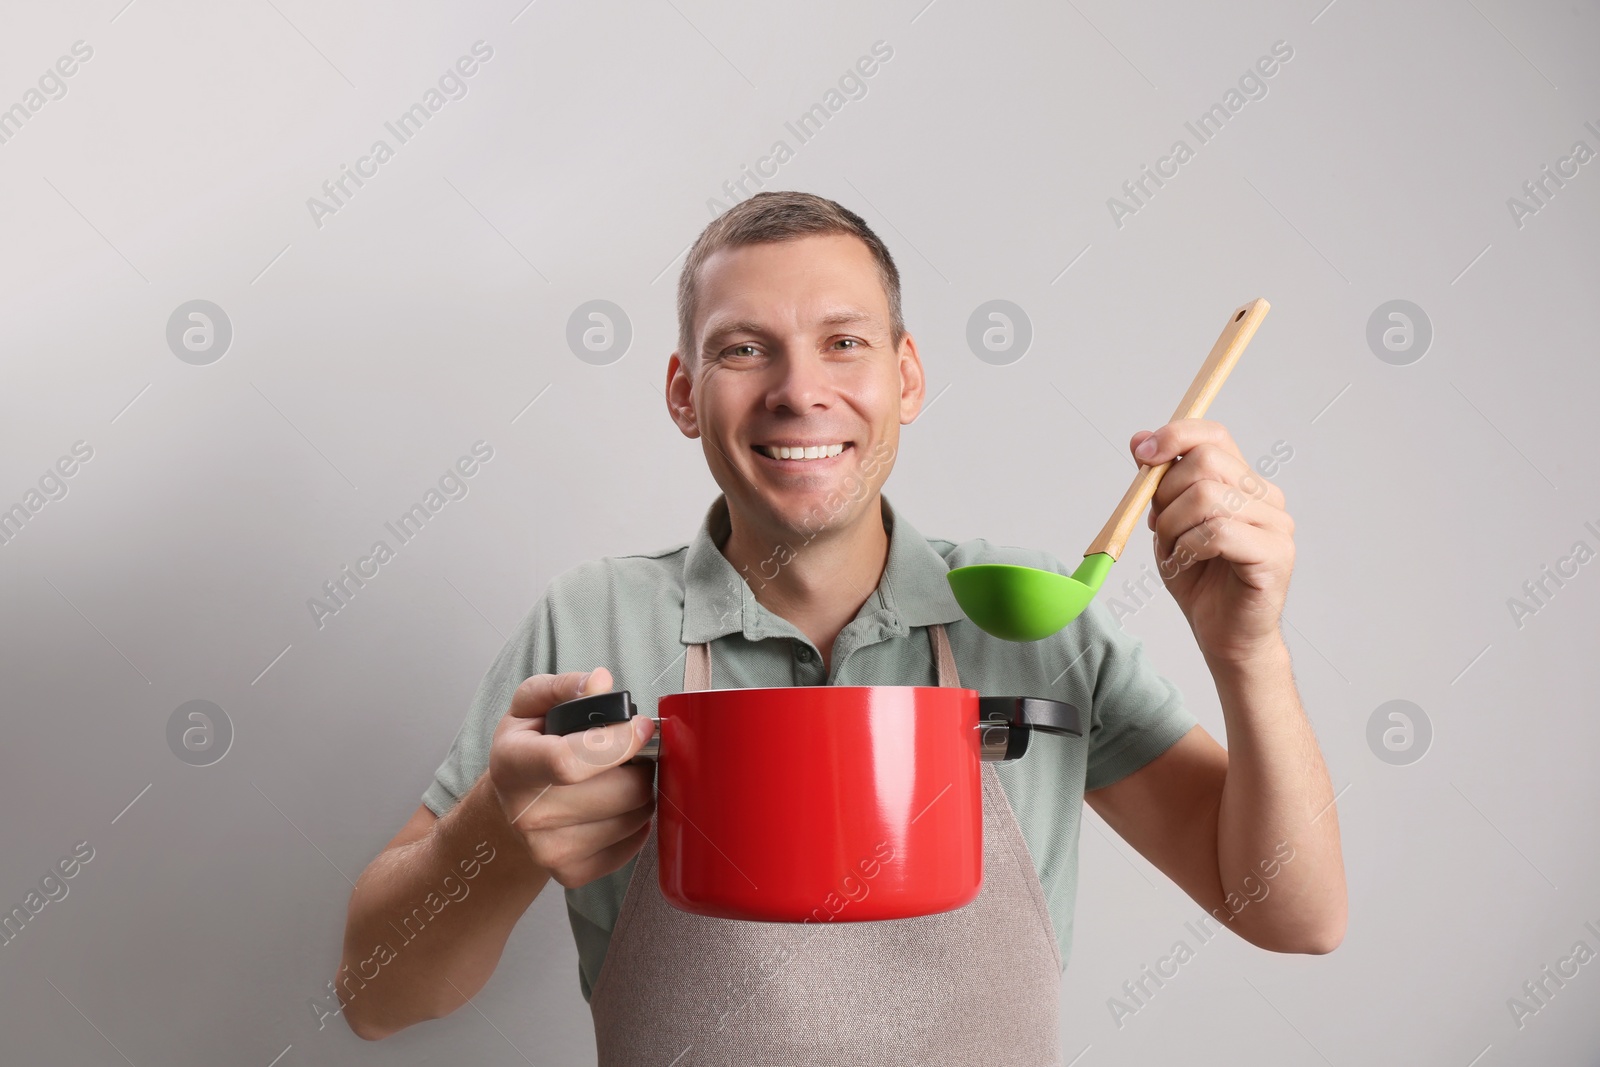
581	809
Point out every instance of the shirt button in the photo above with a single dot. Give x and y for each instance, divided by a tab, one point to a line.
803	654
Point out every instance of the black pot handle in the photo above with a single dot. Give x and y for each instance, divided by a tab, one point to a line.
1023	715
600	709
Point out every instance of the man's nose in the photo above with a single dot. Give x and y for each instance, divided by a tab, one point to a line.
801	383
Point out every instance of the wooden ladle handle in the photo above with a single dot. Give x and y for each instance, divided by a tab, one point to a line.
1242	323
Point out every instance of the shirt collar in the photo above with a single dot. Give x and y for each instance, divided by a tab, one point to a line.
717	600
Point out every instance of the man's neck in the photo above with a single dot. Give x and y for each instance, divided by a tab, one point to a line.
818	584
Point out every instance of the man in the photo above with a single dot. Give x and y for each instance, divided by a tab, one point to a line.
796	372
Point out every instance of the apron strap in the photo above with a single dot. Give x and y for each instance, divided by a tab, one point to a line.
697	670
942	653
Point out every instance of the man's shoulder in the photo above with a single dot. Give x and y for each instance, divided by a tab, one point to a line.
625	571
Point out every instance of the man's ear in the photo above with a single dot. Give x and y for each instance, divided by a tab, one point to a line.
680	397
913	384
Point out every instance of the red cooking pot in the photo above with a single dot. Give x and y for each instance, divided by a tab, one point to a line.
823	803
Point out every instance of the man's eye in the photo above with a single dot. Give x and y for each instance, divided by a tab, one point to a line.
738	349
849	341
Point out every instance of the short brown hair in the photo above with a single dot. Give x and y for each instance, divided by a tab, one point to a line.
780	216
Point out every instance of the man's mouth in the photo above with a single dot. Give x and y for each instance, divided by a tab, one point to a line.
802	452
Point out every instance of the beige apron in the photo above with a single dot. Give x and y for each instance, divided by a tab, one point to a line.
977	985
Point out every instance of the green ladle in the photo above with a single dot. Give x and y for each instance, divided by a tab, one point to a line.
1028	604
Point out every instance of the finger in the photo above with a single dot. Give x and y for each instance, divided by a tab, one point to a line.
1224	538
1137	440
1173	444
571	846
1203	461
1231	498
1206	500
606	861
622	789
537	759
540	693
1181	518
1177	437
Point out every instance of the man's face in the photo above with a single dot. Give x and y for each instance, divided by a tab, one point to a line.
795	351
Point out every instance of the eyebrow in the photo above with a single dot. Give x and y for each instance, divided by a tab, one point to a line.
841	317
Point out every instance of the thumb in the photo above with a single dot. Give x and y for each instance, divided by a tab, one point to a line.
614	743
592	682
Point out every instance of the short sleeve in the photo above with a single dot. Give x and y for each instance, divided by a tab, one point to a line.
1137	713
529	651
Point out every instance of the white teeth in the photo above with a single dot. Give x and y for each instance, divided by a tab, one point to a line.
811	452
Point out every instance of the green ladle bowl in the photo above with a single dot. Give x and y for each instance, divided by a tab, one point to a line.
1028	604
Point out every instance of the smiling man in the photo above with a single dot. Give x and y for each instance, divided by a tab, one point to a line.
795	371
798	402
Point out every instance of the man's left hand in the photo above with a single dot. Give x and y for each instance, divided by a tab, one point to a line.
1224	544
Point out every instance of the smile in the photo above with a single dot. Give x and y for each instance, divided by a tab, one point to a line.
800	453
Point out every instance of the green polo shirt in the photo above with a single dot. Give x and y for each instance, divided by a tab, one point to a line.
636	615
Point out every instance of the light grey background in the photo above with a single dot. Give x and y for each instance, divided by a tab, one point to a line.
431	311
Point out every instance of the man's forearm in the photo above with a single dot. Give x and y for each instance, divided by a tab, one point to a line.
1277	797
428	920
